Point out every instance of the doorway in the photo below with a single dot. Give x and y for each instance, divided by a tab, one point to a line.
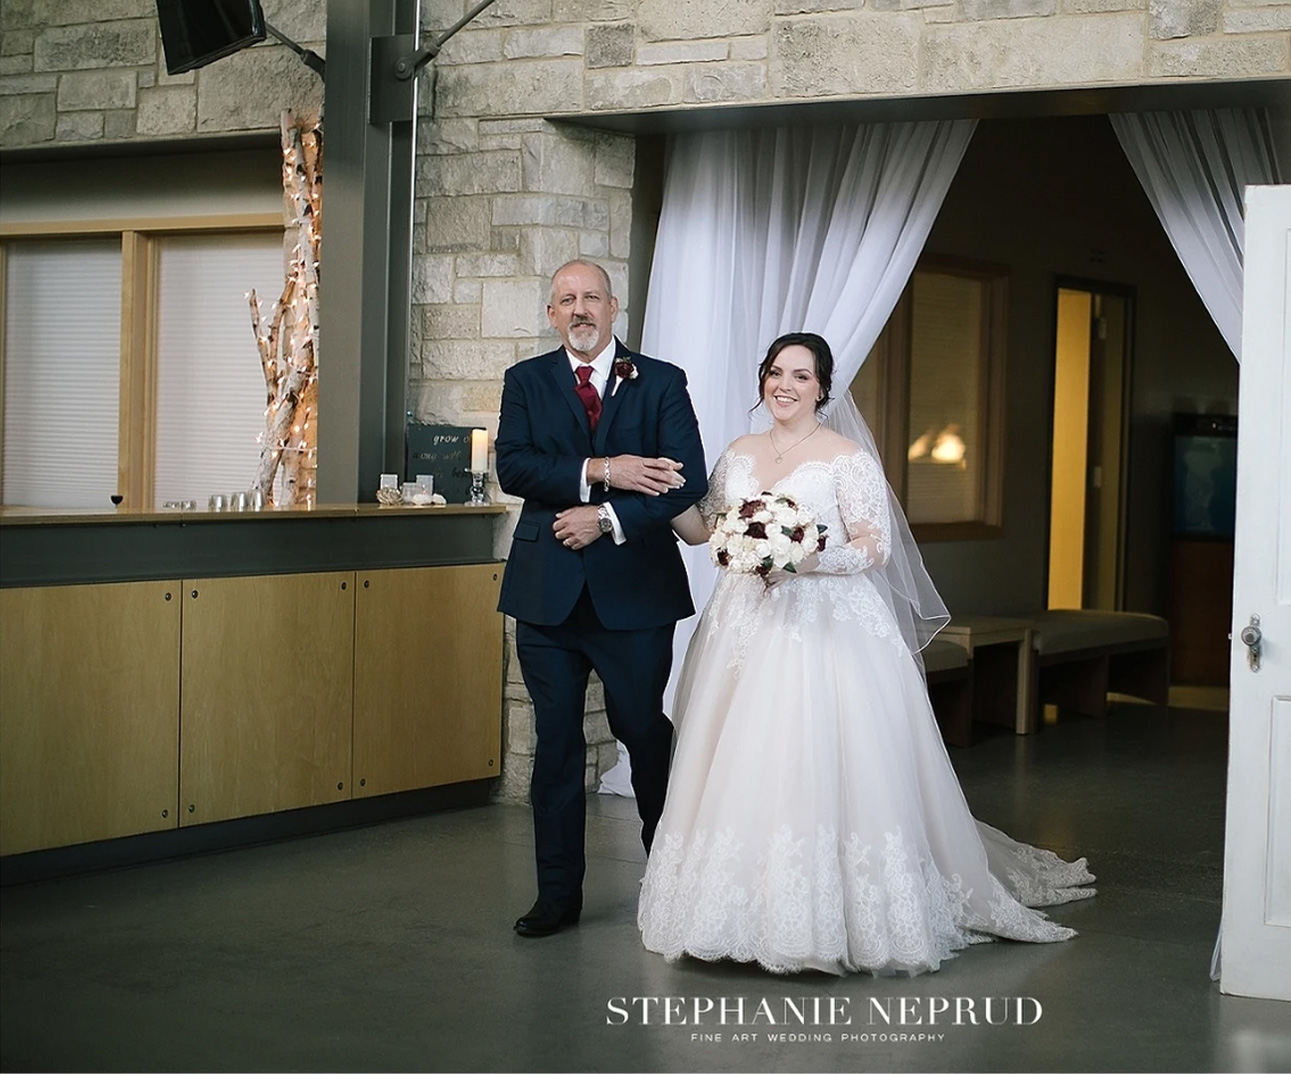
1092	358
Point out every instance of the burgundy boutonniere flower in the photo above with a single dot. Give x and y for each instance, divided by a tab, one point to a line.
626	368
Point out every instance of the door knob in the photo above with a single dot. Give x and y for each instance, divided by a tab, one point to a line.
1251	638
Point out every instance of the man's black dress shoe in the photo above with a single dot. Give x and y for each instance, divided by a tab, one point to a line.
548	917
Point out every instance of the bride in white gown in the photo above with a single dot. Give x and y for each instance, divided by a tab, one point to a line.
813	819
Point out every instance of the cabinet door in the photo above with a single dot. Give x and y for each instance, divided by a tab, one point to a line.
427	677
268	679
89	712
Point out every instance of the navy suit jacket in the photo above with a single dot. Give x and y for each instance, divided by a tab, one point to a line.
543	439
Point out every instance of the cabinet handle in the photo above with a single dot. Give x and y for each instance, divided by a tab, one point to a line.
340	786
192	808
194	593
168	596
344	584
165	813
363	783
365	583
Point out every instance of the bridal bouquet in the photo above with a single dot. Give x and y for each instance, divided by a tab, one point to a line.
770	533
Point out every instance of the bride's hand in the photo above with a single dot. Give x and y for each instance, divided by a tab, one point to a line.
806	566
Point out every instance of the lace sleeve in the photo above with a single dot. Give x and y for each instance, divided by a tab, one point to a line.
862	492
714	502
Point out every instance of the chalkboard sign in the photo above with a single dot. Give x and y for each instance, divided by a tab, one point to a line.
442	450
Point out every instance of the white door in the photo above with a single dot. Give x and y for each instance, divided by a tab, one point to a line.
1256	937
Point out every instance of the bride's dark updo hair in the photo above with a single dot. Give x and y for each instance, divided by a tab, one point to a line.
820	351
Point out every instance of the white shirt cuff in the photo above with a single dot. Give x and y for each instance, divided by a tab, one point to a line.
619	536
584	489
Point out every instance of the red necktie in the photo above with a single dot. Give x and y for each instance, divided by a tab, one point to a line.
588	394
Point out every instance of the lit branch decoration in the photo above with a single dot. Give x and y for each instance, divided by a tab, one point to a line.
289	345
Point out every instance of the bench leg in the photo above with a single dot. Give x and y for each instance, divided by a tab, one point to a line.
1076	685
1144	674
952	702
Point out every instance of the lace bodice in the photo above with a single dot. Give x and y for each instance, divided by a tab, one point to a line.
848	495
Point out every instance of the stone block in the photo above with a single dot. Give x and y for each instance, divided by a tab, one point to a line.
513	126
514	309
490	172
301	20
167	110
165	78
1228	58
466	359
682	52
593	244
974	10
432	279
615	161
27	119
727	82
667	20
633	88
527	209
130	43
438	15
547	41
592	10
450	321
556	165
749	48
15	65
511	88
16	42
448	136
119	123
79	127
456	224
467	291
516	13
909	5
1088	7
71	12
82	90
147	79
1183	18
250	89
544	249
811	7
14	85
1258	20
1040	53
472	46
619	211
610	46
505	238
832	55
487	264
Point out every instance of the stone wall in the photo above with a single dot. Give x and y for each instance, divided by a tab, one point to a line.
94	71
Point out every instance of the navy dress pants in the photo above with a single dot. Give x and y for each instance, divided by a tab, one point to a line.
633	666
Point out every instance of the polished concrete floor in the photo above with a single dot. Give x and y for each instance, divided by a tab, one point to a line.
389	948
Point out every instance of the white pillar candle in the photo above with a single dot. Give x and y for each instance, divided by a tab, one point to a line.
479	451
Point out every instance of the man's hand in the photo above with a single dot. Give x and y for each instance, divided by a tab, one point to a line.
636	473
577	527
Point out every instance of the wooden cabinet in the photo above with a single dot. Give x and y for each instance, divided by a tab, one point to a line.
427	677
89	697
268	675
1200	610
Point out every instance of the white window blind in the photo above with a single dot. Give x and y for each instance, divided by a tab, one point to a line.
210	388
62	372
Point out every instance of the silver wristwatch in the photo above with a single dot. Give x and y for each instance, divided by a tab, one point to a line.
603	519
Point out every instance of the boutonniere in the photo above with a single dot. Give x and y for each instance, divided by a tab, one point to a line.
626	368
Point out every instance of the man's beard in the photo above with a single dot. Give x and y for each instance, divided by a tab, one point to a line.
584	336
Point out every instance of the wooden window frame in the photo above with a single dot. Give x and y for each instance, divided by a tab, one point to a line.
892	434
140	256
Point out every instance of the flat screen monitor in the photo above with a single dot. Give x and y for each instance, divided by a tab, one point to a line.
195	32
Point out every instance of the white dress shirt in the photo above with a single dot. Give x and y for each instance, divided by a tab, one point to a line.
602	365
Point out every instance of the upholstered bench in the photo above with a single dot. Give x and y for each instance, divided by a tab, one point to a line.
1082	656
950	687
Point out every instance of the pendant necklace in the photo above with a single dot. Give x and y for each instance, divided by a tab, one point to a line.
779	457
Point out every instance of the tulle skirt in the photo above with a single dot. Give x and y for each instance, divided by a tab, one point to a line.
813	818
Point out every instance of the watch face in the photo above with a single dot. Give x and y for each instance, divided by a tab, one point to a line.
603	520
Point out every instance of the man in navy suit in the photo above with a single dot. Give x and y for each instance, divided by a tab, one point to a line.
603	446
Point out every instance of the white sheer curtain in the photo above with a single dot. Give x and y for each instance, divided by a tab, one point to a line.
1195	167
792	229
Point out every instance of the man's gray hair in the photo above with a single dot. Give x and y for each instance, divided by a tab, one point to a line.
605	276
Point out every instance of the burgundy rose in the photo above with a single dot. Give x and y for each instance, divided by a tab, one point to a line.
723	558
757	529
797	535
820	544
749	508
625	368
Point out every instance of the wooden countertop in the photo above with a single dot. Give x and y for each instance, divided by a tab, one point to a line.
35	516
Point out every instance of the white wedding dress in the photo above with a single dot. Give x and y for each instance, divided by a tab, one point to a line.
813	819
